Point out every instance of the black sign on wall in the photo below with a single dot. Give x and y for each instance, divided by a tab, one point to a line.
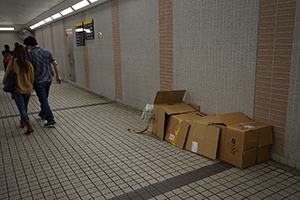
80	34
88	27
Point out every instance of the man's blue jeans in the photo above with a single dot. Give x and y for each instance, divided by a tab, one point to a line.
42	91
22	104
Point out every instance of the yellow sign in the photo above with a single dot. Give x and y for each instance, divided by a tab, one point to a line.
88	21
78	24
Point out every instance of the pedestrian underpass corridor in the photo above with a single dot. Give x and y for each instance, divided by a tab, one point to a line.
90	155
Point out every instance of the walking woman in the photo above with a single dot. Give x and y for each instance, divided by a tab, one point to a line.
24	83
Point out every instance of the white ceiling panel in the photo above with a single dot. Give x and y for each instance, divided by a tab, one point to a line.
23	11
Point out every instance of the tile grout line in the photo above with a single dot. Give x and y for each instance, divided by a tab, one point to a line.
60	109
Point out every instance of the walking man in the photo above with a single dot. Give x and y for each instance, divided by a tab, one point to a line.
41	59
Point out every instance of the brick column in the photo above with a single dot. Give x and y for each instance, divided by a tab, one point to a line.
166	44
66	49
52	40
43	39
86	58
276	34
116	48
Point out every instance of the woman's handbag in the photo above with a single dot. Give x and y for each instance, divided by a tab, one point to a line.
10	84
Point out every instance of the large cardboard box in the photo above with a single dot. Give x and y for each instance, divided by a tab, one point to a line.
202	137
176	131
263	154
243	142
168	103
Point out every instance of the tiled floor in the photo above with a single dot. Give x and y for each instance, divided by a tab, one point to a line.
90	155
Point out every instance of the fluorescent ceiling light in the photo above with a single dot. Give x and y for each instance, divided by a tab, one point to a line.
92	1
38	24
55	16
81	4
49	19
66	11
7	28
35	25
42	22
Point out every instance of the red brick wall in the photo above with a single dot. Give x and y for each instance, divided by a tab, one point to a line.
276	34
52	40
166	44
66	50
86	58
43	38
116	48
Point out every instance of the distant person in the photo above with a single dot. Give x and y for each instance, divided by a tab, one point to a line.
41	59
7	56
24	84
16	44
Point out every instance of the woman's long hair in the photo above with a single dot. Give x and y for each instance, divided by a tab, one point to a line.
21	55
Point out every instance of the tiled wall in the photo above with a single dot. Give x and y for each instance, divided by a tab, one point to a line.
139	40
80	64
101	57
215	47
275	45
292	139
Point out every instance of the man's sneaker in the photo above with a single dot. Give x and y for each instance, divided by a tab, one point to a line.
42	118
50	124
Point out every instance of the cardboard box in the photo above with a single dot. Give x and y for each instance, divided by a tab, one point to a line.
263	154
243	140
168	103
176	131
202	137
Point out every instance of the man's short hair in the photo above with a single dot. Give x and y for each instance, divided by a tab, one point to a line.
30	41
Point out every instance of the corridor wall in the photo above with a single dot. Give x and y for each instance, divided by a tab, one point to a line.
208	48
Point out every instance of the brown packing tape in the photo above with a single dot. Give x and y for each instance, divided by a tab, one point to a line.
133	131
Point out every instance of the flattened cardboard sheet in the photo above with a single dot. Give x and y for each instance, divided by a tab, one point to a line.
173	96
233	118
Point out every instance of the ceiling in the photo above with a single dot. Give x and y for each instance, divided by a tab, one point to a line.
22	14
19	13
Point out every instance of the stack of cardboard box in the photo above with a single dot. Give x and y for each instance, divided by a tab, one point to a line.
232	138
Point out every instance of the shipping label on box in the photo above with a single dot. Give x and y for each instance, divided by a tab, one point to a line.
176	131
